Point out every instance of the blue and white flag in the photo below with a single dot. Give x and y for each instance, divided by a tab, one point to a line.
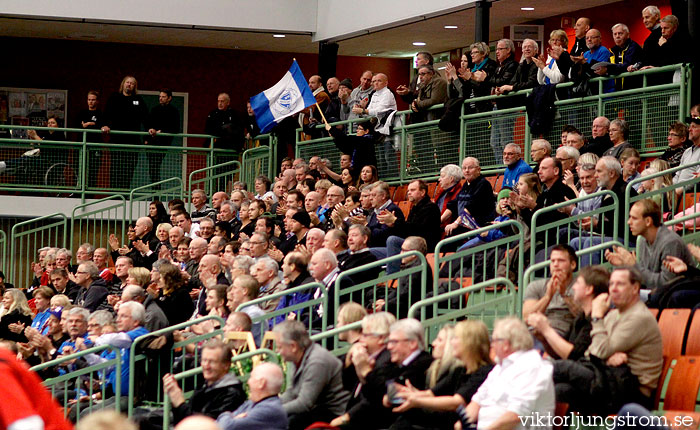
289	96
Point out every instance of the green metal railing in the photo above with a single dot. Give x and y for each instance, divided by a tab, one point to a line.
479	263
487	301
176	352
93	222
336	347
85	383
689	188
28	237
424	149
367	293
139	198
304	311
550	233
214	178
3	250
257	161
268	355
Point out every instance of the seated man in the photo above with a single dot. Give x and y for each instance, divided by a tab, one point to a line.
600	139
519	386
381	201
221	390
627	334
553	297
244	289
591	282
515	165
93	292
655	243
316	391
690	156
360	255
265	272
263	409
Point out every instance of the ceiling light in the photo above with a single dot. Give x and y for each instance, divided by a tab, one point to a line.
418	43
278	35
451	26
527	8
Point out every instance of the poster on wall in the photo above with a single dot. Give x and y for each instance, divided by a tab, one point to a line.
31	107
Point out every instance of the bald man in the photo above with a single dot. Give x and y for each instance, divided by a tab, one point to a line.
144	251
382	102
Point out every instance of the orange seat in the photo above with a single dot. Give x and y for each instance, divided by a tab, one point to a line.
400	193
692	344
392	190
672	324
405	207
683	385
690	200
432	187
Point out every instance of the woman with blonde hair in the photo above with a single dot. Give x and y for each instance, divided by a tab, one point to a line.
667	200
138	276
15	311
469	344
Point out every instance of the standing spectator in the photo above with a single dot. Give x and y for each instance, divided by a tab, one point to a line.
360	96
164	118
125	111
410	93
581	27
92	119
625	53
549	72
223	123
382	105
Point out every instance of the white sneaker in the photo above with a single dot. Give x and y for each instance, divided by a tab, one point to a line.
31	153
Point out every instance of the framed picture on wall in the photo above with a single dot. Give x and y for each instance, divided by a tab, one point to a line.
32	107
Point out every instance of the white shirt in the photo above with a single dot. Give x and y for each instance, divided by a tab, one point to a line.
382	101
522	383
691	155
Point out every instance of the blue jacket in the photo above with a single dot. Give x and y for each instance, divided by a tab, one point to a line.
602	54
266	414
511	176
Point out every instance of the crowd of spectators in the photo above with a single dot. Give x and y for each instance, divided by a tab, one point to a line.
311	223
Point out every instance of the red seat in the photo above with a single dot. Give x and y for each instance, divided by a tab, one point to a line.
400	194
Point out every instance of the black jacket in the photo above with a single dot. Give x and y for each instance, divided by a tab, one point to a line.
477	197
224	395
597	145
227	127
360	148
93	297
125	112
423	221
503	75
165	118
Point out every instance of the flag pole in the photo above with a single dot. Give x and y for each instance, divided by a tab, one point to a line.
322	115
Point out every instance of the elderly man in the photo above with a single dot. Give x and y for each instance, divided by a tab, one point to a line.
316	392
575	140
539	150
581	27
221	390
360	255
244	289
373	365
200	207
223	123
210	273
519	386
410	92
654	243
586	64
431	91
145	244
608	172
625	53
175	236
553	297
568	156
591	282
619	132
409	290
475	198
93	292
263	409
337	241
515	165
381	201
265	271
627	334
600	141
333	109
155	317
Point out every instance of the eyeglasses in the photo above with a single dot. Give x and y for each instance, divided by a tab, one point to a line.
563	159
497	339
510	153
674	134
395	341
501	49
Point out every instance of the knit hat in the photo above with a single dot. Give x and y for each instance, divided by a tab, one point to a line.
503	194
302	218
347	82
56	312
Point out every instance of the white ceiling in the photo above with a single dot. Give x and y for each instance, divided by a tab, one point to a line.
391	42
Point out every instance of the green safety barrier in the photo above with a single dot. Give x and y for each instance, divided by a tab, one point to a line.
28	237
478	262
488	301
92	380
139	198
423	149
268	355
214	178
3	250
367	293
258	162
93	222
336	347
551	232
677	204
304	311
176	352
